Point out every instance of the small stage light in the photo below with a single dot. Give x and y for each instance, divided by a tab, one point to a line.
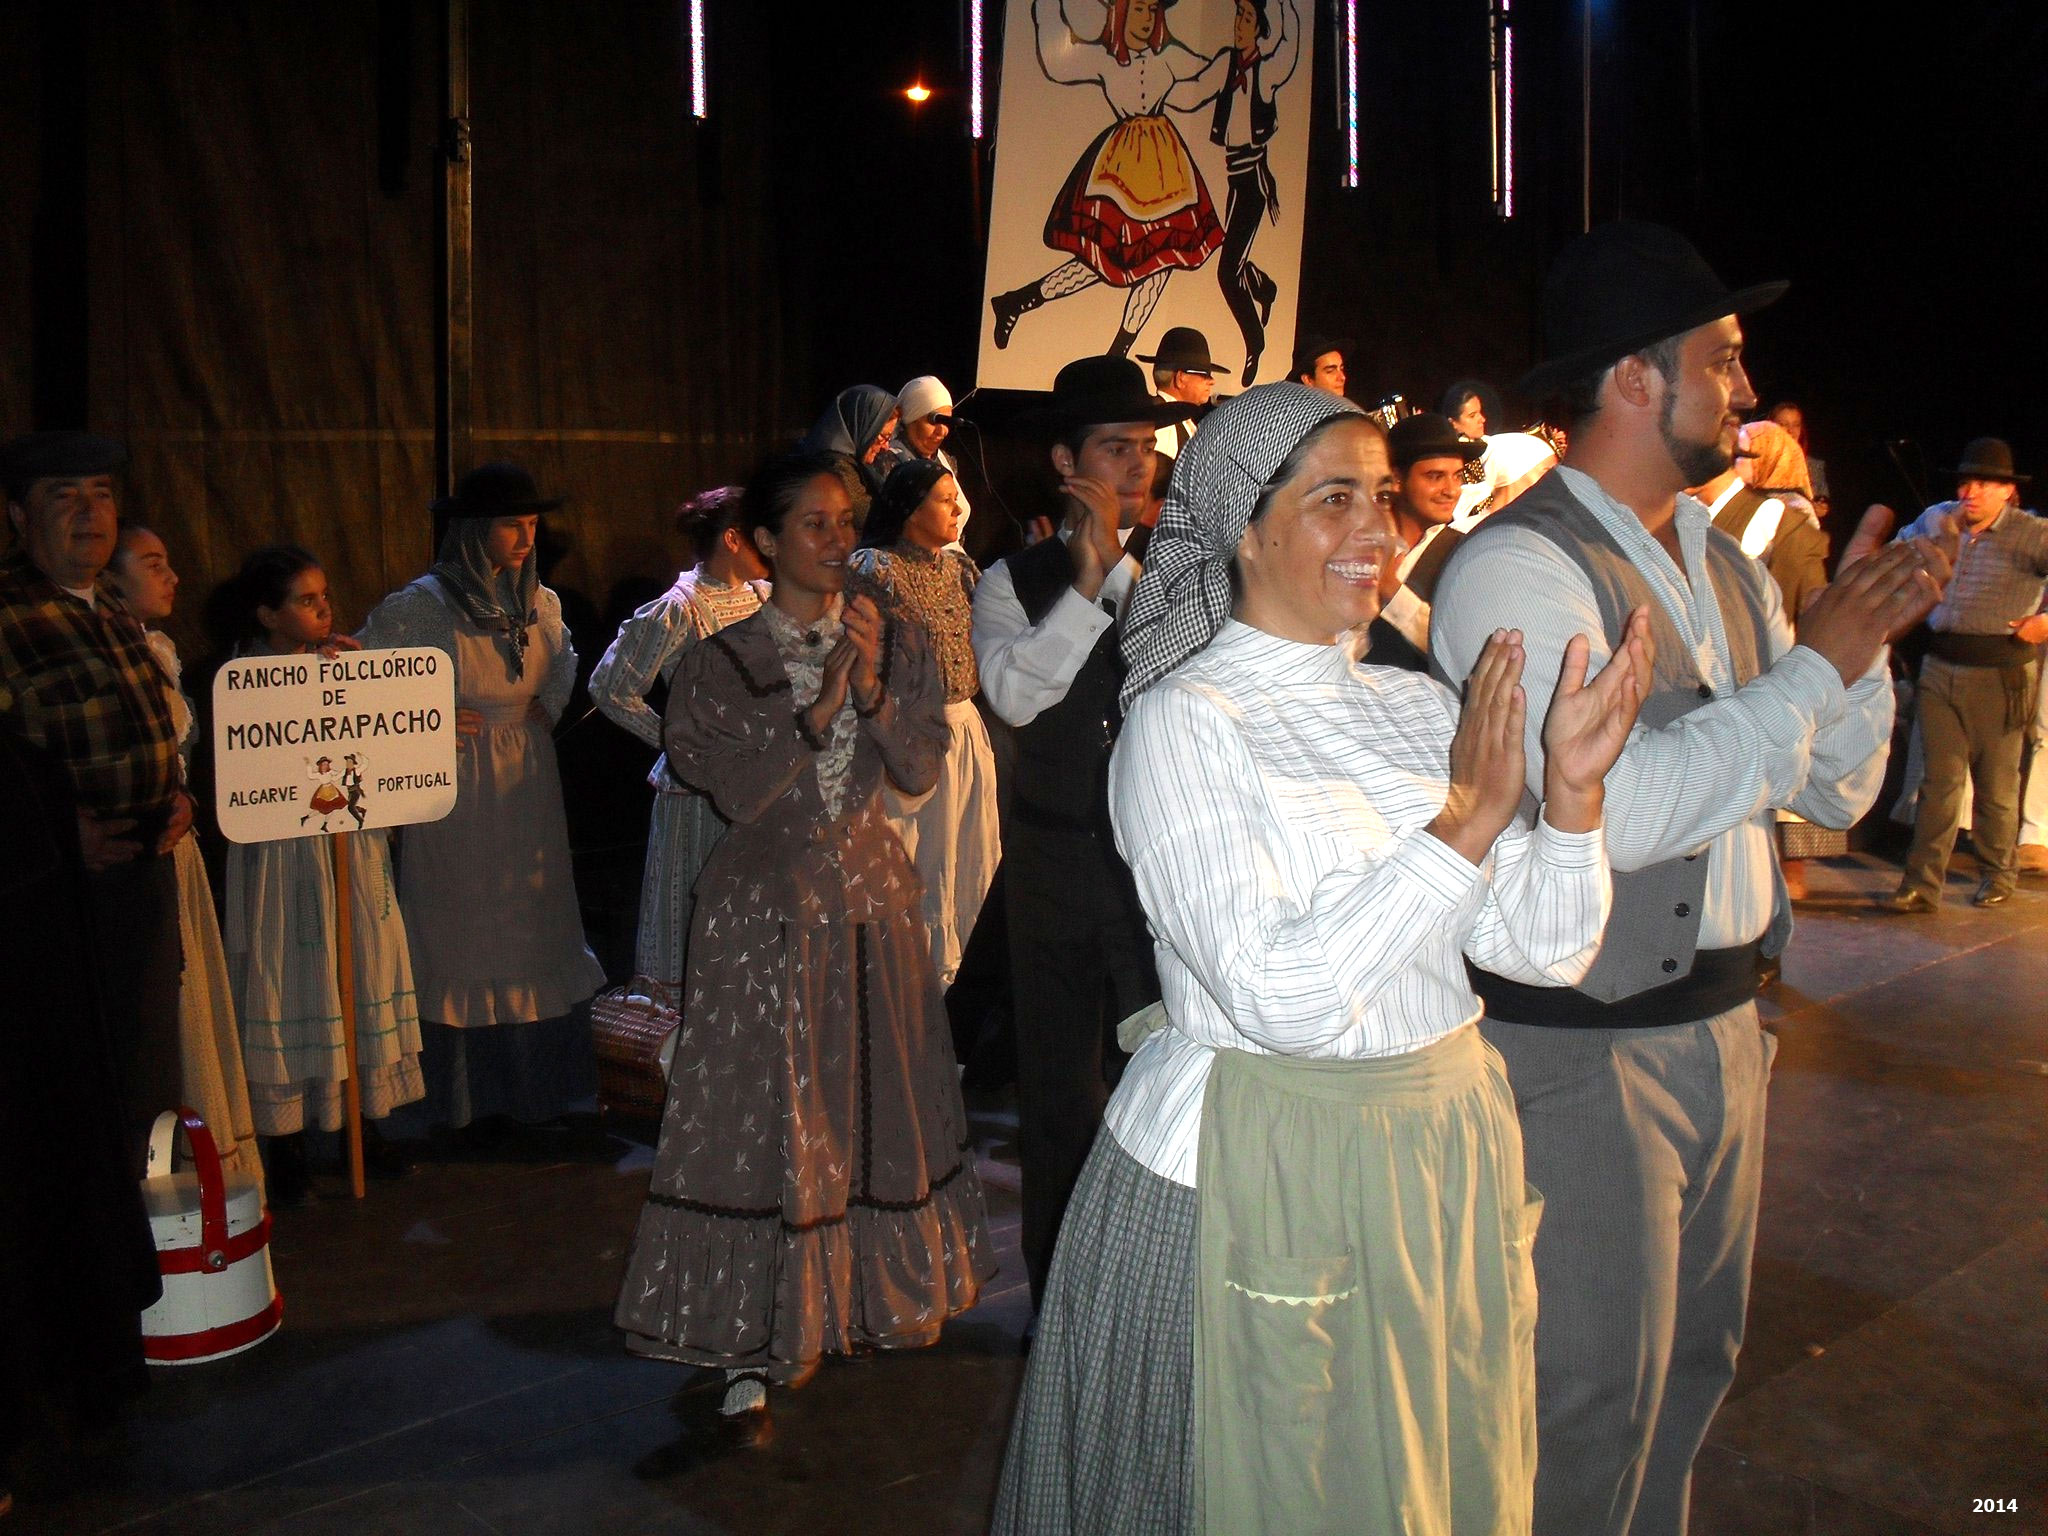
919	93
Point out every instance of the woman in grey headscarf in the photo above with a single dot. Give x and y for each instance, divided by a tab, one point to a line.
1295	1273
859	423
499	959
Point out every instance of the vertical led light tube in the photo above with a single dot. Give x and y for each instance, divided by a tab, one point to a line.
1507	114
1350	93
700	103
1501	66
977	126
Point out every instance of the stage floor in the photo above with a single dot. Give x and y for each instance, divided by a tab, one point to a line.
447	1363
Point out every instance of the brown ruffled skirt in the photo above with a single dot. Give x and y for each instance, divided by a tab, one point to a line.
814	1188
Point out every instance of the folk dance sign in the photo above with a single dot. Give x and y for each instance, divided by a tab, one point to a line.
311	744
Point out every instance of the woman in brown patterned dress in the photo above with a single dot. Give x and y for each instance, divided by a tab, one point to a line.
814	1191
951	831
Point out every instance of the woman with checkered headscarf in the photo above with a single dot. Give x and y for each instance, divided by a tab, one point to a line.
1293	1288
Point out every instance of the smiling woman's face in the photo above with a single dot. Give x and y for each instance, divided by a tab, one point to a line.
1309	565
808	552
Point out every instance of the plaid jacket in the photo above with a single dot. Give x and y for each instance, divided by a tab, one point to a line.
80	682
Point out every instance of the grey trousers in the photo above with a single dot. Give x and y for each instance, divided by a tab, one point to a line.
1971	740
1647	1146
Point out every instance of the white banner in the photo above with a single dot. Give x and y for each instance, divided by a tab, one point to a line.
1150	168
304	745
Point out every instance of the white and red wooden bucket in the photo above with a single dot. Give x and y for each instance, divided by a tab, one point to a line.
213	1248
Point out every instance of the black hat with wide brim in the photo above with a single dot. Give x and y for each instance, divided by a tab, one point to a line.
1623	287
1426	435
1989	458
494	490
1102	391
1185	350
37	456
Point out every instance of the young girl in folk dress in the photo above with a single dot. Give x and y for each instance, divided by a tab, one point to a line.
281	934
1134	209
210	1046
952	831
490	899
814	1188
725	586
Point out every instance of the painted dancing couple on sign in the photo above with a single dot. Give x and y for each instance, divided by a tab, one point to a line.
1134	208
336	791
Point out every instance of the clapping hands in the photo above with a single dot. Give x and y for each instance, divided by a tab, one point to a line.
1589	723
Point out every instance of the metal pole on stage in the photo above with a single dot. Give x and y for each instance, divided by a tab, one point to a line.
1585	115
345	979
454	333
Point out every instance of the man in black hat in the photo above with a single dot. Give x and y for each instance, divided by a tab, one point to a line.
1429	456
78	681
1978	680
1641	1091
1319	362
1046	639
1182	374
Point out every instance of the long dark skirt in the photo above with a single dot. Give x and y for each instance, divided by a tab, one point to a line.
814	1188
1103	1441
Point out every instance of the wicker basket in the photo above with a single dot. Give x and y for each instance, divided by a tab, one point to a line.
1805	840
632	1030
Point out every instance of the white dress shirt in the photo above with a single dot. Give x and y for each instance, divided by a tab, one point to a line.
1513	460
1027	668
1792	737
1270	798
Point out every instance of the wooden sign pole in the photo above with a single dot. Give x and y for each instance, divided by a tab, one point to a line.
345	976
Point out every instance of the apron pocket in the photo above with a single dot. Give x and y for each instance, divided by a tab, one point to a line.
1287	1332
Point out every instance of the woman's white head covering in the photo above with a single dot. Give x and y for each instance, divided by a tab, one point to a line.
922	396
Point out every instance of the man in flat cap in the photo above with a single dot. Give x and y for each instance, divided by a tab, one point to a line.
1978	680
77	680
1641	1092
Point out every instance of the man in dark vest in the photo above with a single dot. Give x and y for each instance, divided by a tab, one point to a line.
1978	680
1428	456
1045	636
1641	1092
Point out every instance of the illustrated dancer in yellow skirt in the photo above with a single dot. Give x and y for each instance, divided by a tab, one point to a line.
1134	209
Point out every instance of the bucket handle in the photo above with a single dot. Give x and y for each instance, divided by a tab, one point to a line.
213	1205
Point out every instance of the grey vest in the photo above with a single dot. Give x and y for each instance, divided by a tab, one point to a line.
1652	935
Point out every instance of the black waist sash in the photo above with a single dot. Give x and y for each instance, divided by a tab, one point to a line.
1720	979
2003	651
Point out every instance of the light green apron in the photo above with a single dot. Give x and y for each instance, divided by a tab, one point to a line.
1365	1303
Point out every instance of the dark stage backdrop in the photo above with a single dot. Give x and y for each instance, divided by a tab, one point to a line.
259	306
217	235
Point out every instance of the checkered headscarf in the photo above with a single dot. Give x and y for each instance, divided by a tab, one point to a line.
1184	595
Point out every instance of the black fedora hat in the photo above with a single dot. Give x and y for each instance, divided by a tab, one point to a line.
1096	391
68	455
1623	287
1312	345
1185	350
1989	458
1426	435
494	490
